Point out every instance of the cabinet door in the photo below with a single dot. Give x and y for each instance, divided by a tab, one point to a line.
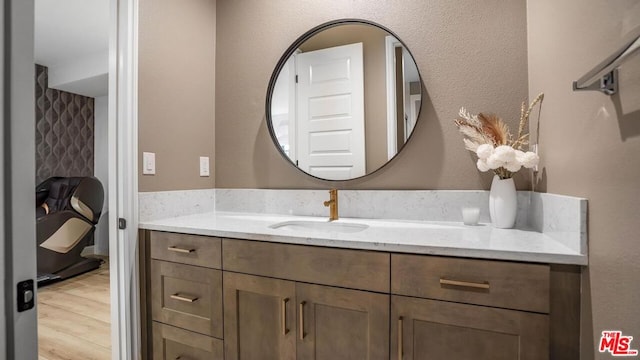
259	318
336	323
429	329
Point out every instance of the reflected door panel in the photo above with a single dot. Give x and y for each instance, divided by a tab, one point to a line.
330	115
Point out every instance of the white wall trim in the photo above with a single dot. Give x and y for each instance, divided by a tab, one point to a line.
5	260
390	45
123	180
101	169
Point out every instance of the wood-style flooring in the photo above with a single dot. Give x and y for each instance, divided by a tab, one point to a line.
74	318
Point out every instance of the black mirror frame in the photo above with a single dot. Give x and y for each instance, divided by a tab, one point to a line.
285	57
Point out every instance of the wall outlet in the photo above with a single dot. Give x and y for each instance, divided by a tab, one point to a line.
204	166
148	163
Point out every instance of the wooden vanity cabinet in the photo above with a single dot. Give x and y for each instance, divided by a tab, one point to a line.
182	296
267	318
264	300
272	319
468	309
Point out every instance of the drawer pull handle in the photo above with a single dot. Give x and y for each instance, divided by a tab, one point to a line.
400	337
181	250
284	316
301	317
475	285
183	298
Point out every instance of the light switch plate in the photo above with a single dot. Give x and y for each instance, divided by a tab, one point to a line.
204	166
148	163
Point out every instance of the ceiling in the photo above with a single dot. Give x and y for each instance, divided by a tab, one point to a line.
69	36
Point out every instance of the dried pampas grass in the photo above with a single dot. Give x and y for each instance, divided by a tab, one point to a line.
491	129
523	138
495	129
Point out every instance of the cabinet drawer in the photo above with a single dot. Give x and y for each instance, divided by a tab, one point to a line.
482	282
186	249
187	296
174	343
355	269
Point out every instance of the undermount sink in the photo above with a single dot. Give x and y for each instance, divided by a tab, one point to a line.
324	226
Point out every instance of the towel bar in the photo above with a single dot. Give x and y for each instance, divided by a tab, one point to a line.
604	76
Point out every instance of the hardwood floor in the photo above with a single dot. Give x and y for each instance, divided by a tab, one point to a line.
74	318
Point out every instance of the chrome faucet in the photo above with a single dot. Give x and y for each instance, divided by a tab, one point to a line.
332	203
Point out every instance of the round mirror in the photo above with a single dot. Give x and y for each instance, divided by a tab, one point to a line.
343	99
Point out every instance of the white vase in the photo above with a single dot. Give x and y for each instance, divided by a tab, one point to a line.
503	203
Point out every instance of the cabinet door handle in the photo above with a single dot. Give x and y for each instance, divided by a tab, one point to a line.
181	250
400	336
475	285
301	317
179	297
283	311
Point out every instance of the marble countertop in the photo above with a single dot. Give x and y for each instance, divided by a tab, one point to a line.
405	236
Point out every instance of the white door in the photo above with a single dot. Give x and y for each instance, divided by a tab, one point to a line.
331	112
18	329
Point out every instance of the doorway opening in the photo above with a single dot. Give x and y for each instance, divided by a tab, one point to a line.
71	51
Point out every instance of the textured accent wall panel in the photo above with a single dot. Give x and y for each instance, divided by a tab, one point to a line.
64	131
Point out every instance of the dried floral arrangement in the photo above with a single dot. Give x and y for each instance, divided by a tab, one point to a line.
490	139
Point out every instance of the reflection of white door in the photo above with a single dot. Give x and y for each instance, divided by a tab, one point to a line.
414	109
331	112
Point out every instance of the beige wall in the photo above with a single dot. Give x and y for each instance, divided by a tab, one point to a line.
375	82
176	91
469	53
590	147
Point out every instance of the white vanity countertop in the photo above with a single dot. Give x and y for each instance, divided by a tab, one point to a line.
418	237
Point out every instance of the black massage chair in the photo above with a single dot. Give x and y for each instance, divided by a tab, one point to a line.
67	211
